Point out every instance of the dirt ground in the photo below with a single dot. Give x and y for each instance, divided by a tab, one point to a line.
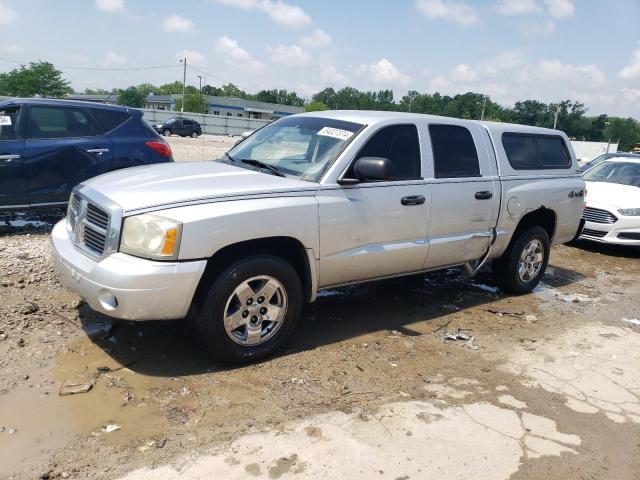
205	147
548	387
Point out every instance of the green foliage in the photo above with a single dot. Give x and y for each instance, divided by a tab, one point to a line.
39	78
626	131
282	97
230	90
315	107
169	88
209	90
132	97
193	103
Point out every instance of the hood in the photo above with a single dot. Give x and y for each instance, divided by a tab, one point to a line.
614	194
166	184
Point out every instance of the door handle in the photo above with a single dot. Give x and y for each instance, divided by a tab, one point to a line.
485	195
412	200
98	151
8	158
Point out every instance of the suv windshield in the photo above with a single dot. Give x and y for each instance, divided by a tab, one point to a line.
300	147
625	173
170	121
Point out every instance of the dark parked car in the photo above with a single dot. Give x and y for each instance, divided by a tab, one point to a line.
185	127
605	156
49	146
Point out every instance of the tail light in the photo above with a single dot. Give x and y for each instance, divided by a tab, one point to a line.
160	148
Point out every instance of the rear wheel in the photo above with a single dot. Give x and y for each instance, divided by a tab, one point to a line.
250	309
166	132
194	134
522	266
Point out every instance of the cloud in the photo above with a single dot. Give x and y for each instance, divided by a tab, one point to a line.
631	95
237	56
110	5
317	39
633	69
176	23
7	14
11	49
112	58
279	11
331	76
290	55
451	10
587	76
560	8
383	72
464	73
538	29
517	7
194	58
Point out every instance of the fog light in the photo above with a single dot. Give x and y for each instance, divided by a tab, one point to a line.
107	300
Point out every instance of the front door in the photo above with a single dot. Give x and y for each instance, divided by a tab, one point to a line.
465	195
64	147
378	228
13	192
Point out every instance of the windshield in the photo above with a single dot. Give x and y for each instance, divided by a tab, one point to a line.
170	121
624	173
300	147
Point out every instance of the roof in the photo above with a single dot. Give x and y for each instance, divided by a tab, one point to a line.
370	117
63	102
633	158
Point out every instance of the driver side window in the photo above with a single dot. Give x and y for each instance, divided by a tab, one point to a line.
398	143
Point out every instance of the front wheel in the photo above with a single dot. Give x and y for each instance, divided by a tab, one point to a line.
166	132
250	309
522	266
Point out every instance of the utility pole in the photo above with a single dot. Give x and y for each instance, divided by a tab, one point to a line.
555	117
484	104
184	81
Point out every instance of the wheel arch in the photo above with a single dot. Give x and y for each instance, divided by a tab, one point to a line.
288	248
542	217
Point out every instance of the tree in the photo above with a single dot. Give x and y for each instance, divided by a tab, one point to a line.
282	97
209	90
132	97
193	103
39	78
326	96
146	89
170	88
230	90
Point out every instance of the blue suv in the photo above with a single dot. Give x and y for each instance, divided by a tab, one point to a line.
49	146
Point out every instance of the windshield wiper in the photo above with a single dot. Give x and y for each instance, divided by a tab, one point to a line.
260	164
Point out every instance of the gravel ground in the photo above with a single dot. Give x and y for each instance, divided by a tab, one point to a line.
206	147
367	387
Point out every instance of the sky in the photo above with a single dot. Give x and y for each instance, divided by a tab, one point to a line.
548	50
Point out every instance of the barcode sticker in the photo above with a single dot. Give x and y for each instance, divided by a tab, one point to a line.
5	120
335	133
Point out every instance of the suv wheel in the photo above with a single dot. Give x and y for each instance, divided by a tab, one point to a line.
250	309
194	134
166	132
522	266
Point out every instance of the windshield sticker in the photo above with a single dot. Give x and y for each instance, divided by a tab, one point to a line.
335	133
5	120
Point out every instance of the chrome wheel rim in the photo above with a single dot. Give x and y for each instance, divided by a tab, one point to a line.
255	311
531	260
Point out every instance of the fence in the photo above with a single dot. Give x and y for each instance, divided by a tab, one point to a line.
211	124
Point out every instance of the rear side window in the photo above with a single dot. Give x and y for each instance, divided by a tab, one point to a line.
54	122
535	152
454	152
109	119
400	144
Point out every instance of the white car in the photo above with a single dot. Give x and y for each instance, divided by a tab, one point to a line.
612	213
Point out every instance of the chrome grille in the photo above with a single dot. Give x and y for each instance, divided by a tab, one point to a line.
587	232
89	225
597	215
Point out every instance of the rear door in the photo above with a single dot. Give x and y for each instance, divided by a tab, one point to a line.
64	146
13	191
464	205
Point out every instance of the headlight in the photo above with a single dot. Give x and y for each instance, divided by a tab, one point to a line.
151	236
629	211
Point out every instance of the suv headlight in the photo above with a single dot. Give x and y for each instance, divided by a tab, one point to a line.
151	236
630	211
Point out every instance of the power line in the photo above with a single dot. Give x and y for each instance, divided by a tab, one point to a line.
221	80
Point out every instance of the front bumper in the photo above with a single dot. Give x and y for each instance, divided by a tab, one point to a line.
624	231
123	286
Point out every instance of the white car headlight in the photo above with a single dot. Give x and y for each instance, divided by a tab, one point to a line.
629	211
151	236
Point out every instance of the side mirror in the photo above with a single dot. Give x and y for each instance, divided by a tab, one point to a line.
373	168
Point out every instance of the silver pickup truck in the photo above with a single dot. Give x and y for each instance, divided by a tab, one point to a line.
311	202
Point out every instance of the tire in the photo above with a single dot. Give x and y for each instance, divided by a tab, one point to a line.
166	132
507	270
194	134
256	335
